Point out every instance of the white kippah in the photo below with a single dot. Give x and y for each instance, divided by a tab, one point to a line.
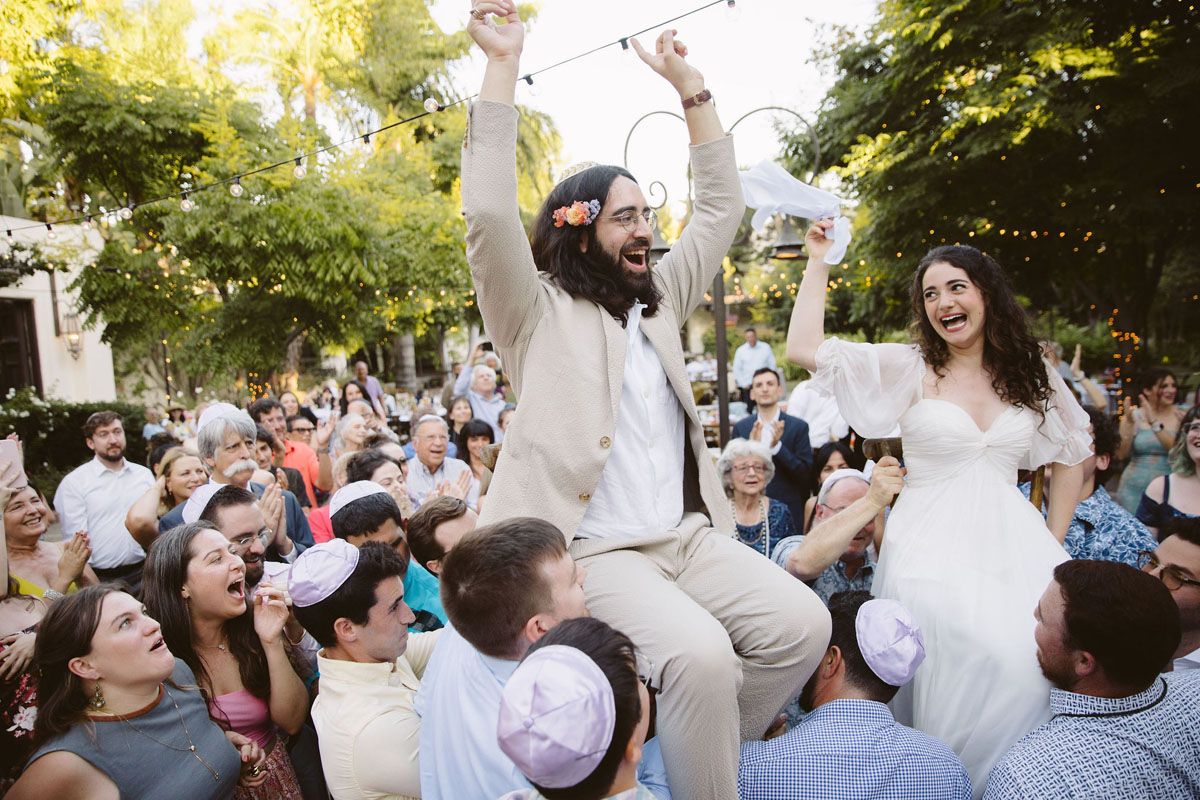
351	492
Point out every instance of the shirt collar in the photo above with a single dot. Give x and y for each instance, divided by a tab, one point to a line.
501	668
868	563
1071	704
378	674
98	467
861	710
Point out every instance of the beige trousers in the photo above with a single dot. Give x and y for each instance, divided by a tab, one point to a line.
732	637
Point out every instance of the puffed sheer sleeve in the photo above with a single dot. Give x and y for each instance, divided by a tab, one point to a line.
874	383
1063	436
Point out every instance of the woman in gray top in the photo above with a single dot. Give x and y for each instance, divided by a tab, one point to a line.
119	716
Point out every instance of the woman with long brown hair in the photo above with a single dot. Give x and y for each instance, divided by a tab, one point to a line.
195	586
964	551
120	716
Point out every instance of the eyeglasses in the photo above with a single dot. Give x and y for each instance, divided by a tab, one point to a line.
265	536
1172	576
744	468
1190	428
645	669
305	430
629	219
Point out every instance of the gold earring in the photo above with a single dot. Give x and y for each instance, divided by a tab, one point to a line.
97	701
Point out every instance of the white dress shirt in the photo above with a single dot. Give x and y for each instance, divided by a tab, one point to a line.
820	411
421	481
366	724
747	360
640	492
485	408
459	703
766	433
95	499
1190	661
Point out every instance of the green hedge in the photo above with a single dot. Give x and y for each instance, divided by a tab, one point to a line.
52	434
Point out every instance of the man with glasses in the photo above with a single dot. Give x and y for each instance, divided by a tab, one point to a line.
605	443
435	472
834	556
236	513
1119	727
1176	562
310	459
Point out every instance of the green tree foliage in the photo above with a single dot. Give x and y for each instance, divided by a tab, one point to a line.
1057	136
367	246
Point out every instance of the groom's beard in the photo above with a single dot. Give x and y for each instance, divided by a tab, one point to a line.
632	285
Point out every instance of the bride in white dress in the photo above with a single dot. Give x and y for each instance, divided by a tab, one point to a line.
964	551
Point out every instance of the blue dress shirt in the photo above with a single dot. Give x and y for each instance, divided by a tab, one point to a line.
1101	748
852	749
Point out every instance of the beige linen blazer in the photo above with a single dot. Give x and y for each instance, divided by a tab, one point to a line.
565	356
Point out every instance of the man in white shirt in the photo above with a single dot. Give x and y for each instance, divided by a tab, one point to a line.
433	471
478	385
352	601
749	359
504	587
96	496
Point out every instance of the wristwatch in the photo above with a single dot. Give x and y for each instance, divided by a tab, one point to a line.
702	97
1157	428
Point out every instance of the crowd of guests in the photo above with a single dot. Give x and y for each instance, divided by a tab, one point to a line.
259	613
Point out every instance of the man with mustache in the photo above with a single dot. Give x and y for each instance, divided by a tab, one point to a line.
584	323
96	497
225	438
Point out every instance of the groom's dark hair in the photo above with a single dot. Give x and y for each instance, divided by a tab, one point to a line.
591	275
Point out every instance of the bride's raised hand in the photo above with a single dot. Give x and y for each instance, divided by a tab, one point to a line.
497	41
815	242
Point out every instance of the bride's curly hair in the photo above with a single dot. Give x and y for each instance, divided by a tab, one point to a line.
1011	355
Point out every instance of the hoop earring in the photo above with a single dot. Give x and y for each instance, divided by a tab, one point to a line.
97	701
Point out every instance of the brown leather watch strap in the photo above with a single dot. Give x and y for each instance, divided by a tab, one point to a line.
697	99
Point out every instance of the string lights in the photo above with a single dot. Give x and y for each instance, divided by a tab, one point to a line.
430	105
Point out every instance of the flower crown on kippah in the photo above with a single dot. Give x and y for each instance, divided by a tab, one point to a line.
575	169
578	213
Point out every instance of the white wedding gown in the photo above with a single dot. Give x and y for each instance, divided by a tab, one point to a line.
964	551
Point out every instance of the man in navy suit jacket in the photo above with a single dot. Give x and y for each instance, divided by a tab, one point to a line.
787	436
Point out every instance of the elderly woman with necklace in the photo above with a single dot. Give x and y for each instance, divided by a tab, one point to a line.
119	716
746	468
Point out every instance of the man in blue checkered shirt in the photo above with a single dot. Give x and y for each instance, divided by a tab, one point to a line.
1119	729
849	746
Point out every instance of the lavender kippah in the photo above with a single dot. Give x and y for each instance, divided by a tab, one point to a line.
195	505
320	571
351	492
557	715
890	640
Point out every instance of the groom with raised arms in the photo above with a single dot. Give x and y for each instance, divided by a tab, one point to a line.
582	322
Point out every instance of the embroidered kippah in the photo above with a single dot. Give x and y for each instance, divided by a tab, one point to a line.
575	169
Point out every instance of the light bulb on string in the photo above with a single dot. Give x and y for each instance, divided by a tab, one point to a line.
299	171
186	204
432	105
50	234
733	12
87	223
9	237
126	213
235	188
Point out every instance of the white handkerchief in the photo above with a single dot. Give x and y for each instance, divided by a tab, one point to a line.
771	189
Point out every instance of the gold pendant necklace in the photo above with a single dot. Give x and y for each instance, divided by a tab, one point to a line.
191	745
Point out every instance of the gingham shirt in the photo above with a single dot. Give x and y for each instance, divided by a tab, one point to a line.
1099	748
852	748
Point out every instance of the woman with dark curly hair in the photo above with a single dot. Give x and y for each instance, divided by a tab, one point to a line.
965	552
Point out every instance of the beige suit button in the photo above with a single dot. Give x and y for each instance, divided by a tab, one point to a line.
585	497
605	441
